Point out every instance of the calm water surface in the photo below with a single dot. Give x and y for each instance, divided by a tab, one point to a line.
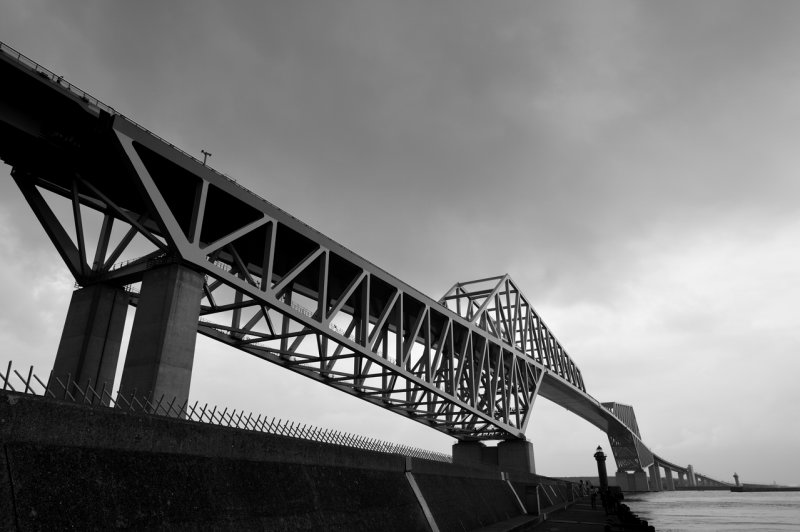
706	511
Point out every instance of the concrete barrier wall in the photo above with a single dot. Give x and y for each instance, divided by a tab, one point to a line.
35	419
544	494
59	487
65	465
8	517
463	503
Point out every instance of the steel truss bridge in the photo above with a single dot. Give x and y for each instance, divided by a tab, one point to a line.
469	364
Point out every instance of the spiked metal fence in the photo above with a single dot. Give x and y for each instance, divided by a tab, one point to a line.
29	383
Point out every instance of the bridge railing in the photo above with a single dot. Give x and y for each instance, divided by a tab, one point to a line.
46	73
30	64
52	76
96	396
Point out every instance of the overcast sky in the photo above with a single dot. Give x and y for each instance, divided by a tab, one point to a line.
633	166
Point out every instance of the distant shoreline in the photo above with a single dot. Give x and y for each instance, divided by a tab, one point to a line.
740	489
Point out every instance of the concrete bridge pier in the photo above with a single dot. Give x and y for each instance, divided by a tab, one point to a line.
635	481
623	480
161	349
669	480
690	476
88	351
655	477
509	455
640	480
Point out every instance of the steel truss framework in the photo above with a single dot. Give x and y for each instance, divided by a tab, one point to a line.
626	414
629	451
469	365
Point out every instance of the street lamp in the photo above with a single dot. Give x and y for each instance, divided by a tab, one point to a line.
600	456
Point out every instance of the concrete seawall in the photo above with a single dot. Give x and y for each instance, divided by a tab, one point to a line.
70	466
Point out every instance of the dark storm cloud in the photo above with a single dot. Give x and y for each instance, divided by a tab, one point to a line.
514	116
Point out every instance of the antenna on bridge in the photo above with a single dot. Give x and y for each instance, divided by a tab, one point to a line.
206	155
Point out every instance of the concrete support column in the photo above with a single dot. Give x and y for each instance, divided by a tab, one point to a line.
161	349
640	481
669	479
511	455
636	481
624	480
469	453
475	454
516	455
89	348
655	477
690	476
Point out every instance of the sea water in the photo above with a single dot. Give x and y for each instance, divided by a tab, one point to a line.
708	511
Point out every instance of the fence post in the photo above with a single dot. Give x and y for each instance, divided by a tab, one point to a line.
7	375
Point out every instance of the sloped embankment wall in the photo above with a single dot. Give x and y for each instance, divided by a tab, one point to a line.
68	466
59	487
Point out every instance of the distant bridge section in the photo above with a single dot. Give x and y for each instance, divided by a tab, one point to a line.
141	222
629	451
633	457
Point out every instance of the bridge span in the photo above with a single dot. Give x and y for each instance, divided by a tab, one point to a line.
207	256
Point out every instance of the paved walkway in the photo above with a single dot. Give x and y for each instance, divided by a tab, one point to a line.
580	517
